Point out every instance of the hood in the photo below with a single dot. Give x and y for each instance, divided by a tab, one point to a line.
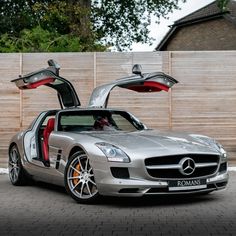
150	141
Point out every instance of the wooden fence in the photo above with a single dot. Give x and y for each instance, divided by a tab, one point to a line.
204	101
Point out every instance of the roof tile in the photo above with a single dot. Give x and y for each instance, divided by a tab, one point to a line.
207	11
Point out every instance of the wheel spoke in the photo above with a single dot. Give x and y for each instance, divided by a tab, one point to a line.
13	174
75	177
81	190
82	168
91	181
73	168
86	165
14	156
11	163
16	172
12	169
87	186
76	185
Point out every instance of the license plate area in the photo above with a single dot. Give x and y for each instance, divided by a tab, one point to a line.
190	184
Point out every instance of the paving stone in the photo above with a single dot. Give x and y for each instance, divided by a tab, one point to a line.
43	209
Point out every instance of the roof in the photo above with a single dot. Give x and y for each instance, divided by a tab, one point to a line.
209	12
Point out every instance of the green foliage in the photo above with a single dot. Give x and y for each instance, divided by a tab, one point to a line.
78	25
122	22
222	4
40	40
47	26
6	43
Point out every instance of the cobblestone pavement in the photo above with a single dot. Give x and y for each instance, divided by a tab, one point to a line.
42	209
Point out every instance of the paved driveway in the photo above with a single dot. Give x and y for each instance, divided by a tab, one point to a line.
47	210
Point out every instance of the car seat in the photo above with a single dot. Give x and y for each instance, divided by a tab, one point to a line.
47	131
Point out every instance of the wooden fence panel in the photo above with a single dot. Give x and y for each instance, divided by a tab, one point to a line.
9	101
151	108
203	102
76	67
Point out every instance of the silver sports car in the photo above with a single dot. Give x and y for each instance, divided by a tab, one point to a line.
96	151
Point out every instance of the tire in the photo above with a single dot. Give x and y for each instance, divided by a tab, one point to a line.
79	179
17	173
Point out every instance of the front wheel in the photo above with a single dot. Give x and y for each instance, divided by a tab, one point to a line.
79	179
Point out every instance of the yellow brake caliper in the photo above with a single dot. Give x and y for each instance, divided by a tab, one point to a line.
76	174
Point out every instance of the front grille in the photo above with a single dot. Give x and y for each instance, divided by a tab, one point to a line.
169	167
165	160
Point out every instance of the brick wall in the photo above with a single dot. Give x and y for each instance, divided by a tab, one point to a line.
218	34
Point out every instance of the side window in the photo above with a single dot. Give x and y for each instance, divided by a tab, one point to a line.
77	120
36	141
122	123
76	123
46	121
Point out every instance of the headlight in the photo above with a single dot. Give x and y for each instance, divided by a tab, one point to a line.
211	142
113	153
223	152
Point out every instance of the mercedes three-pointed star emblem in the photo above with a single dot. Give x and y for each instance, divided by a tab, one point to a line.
187	166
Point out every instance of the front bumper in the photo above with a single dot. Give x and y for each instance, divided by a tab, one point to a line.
134	187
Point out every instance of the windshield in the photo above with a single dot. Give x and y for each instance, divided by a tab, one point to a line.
98	120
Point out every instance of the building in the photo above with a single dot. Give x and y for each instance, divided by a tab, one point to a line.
208	28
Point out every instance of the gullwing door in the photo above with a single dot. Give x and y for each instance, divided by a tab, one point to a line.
50	77
145	83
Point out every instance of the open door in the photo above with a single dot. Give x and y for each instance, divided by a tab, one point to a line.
146	83
50	77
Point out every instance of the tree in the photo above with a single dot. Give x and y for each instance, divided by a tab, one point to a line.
116	23
122	22
40	40
222	4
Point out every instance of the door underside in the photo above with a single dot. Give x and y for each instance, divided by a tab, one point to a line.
145	83
50	77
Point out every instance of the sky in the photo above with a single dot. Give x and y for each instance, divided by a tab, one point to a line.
158	31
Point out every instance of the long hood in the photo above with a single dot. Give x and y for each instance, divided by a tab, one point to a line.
150	141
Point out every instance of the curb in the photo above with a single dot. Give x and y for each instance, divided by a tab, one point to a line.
3	171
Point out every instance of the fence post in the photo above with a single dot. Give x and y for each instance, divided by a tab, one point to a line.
170	91
94	70
21	93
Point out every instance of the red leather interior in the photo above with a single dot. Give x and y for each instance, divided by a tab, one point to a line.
148	86
39	83
47	131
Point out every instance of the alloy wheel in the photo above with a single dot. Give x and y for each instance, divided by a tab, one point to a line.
80	178
14	165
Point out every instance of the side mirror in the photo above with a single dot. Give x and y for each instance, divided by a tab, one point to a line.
54	66
137	69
